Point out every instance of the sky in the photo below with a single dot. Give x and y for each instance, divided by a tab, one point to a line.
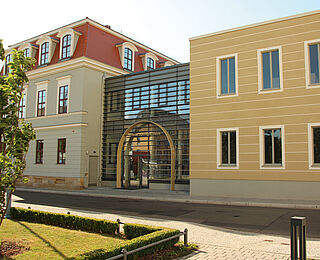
164	25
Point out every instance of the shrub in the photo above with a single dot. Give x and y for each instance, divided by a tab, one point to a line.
136	230
65	221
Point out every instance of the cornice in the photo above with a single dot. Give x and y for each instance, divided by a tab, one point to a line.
73	64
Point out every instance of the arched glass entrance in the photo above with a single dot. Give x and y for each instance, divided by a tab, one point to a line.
146	151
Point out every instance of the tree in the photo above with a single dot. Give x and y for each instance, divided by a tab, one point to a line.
15	133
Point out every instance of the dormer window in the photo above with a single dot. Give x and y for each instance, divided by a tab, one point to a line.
150	64
26	52
126	52
47	46
68	42
44	56
127	59
149	61
7	68
29	50
66	45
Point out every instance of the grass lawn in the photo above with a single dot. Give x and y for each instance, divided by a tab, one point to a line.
49	242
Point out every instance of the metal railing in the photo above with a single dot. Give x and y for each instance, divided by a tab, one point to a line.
125	253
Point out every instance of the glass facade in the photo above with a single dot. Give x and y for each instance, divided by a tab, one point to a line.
160	96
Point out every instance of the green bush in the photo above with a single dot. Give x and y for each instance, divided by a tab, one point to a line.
136	230
65	221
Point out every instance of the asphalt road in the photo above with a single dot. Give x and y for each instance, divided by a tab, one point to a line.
273	221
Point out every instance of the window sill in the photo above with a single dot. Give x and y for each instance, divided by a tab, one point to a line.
227	95
228	166
270	90
314	166
317	85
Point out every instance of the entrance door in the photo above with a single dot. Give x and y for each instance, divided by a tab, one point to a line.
138	172
93	169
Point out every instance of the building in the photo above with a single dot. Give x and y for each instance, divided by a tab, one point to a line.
146	129
64	96
254	110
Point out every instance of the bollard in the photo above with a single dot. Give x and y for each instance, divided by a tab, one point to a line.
300	223
124	252
8	203
118	229
185	237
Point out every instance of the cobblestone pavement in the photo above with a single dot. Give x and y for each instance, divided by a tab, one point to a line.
208	252
214	242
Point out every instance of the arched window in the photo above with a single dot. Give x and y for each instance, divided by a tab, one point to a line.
26	52
44	59
66	46
150	64
7	68
128	59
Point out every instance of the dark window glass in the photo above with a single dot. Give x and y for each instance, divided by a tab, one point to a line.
22	107
316	145
8	59
271	70
113	152
228	76
63	100
128	59
61	158
44	57
26	52
41	103
66	46
314	63
150	64
229	147
272	146
39	152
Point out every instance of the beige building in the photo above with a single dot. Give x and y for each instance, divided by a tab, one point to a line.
255	110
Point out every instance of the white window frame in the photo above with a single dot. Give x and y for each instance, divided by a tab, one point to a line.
145	57
307	63
74	40
63	81
25	94
261	90
43	85
310	146
218	75
219	146
52	46
27	45
121	47
261	147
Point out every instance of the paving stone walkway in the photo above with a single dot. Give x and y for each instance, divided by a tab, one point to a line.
208	252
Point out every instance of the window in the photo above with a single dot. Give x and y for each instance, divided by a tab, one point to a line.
63	99
228	148
41	104
128	59
26	52
39	152
312	59
66	46
150	64
314	145
227	76
270	69
7	68
22	107
61	158
113	153
272	147
44	56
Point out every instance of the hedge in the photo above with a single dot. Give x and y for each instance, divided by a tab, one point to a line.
65	221
140	235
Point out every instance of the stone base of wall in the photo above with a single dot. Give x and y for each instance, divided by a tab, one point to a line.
58	183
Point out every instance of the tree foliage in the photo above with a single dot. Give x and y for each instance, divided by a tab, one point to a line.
15	133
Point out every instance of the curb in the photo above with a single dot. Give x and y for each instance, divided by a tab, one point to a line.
184	200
